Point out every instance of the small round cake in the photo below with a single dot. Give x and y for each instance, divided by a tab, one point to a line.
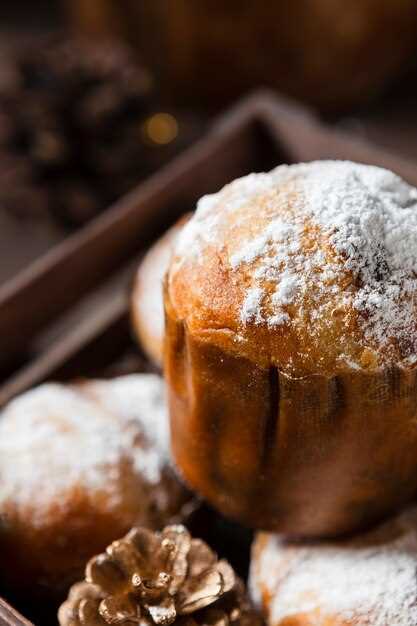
291	347
367	580
79	465
147	308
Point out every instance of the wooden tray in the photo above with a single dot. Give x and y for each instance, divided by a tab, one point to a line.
67	314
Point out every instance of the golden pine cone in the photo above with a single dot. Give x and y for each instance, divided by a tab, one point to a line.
152	579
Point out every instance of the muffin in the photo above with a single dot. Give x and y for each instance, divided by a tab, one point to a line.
79	465
290	348
367	580
147	308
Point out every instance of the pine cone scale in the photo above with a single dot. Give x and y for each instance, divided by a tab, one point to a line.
119	610
163	613
105	573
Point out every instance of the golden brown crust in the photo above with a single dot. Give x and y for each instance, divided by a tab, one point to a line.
209	299
147	310
215	268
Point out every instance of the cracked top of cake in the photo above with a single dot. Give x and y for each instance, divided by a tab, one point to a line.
310	268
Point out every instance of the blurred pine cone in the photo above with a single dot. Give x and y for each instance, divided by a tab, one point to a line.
72	120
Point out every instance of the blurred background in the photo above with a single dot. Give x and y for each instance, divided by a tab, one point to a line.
97	94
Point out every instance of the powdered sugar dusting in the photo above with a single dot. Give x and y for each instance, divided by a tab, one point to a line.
55	438
139	398
370	216
363	583
361	225
202	228
251	308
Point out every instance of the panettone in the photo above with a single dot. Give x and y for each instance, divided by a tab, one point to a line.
291	343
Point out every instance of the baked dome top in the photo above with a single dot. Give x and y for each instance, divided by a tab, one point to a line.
310	267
